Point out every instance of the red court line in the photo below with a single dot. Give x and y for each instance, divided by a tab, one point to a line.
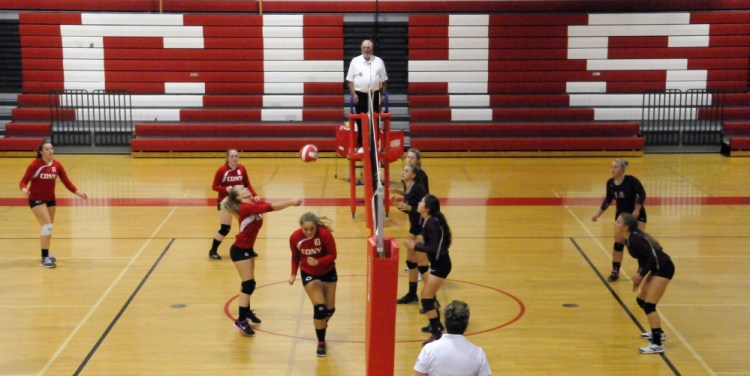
490	201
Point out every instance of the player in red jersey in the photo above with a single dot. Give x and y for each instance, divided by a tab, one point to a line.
655	271
314	252
227	176
42	173
628	193
250	217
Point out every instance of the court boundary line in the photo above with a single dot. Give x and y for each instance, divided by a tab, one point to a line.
104	295
122	310
663	317
621	303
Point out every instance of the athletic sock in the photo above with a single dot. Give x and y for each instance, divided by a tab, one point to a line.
45	253
321	334
656	336
244	313
435	327
215	245
413	288
616	266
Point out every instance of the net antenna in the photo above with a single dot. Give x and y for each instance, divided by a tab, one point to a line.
378	197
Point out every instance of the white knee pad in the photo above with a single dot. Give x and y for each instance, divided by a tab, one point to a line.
47	229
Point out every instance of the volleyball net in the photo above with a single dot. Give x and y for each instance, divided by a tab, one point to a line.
375	194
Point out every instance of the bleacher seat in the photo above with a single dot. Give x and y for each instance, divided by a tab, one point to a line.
491	80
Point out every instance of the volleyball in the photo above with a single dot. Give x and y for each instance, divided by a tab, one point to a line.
309	153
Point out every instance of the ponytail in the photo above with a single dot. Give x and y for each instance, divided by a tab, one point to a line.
631	223
232	202
432	204
447	237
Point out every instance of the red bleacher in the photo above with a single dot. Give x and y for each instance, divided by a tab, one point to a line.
478	79
737	134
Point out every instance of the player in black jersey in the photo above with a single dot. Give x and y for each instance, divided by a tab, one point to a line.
413	193
414	158
629	195
655	271
436	239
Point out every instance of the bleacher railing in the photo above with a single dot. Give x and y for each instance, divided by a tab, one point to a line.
676	118
98	118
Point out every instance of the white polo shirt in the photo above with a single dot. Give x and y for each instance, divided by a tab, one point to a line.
366	74
452	355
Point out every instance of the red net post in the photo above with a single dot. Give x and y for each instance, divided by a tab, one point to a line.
382	283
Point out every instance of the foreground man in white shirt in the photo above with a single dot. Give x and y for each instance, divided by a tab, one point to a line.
453	354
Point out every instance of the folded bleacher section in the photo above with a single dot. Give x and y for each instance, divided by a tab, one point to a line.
198	82
554	82
492	82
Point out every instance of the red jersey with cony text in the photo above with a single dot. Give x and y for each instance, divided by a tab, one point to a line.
42	177
321	247
228	177
251	220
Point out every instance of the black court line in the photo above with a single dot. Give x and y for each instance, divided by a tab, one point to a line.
622	304
122	310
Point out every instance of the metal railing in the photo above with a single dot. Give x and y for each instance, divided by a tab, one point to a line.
675	117
98	118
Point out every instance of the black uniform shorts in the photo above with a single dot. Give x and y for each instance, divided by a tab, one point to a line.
238	254
328	277
441	267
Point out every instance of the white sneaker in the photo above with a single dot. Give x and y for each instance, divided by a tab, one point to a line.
48	262
647	335
652	349
360	150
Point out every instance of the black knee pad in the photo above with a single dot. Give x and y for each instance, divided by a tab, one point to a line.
248	287
618	247
330	311
428	304
649	307
411	265
319	312
640	302
423	269
224	230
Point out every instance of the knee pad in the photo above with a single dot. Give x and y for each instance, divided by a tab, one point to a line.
330	311
47	229
319	312
423	269
618	247
428	304
411	265
640	302
248	287
224	230
649	307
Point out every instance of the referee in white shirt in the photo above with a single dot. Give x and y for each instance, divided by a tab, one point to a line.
453	354
366	72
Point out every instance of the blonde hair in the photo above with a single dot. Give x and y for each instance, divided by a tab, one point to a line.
417	154
623	163
319	221
232	202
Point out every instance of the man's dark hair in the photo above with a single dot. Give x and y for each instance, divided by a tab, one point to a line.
456	317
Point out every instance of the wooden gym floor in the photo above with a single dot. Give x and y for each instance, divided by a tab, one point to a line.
134	292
